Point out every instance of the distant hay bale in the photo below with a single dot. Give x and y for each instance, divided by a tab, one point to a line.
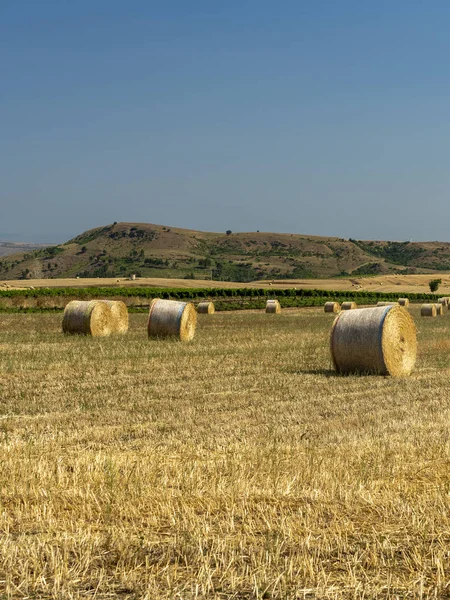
273	306
348	306
119	316
332	307
170	318
404	302
439	309
387	303
91	317
428	310
206	308
443	301
380	340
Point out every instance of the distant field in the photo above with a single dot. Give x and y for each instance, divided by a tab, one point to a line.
235	467
8	248
384	283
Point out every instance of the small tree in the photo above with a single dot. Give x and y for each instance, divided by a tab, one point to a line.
434	284
228	232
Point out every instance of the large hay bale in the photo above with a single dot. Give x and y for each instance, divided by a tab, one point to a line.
404	302
387	303
428	310
206	308
91	317
439	309
379	340
348	306
273	306
332	307
119	315
170	318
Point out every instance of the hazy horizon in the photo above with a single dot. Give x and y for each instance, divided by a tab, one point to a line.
42	238
314	118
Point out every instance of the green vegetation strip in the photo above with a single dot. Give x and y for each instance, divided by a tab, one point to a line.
224	298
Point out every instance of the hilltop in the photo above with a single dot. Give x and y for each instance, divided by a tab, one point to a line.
147	250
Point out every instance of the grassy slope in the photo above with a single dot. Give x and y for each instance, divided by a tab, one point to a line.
155	251
237	466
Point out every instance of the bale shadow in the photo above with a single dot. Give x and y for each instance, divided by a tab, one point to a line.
324	372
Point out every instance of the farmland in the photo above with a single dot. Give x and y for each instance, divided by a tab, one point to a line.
237	466
229	298
383	283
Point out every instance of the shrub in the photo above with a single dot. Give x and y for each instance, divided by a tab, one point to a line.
434	284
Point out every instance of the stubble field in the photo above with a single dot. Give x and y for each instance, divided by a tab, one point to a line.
236	466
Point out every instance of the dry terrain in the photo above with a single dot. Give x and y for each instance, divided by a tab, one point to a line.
402	284
149	250
235	467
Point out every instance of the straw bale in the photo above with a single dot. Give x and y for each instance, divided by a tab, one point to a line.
170	318
380	340
91	317
273	306
439	309
332	307
428	310
119	315
206	308
387	303
348	306
404	302
443	301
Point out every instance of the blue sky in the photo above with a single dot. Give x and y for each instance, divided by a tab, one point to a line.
318	117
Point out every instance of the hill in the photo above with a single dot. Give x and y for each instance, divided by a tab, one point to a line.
147	250
7	248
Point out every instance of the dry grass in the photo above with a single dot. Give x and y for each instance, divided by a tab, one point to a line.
384	283
238	466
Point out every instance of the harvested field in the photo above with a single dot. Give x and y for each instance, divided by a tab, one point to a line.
401	284
238	466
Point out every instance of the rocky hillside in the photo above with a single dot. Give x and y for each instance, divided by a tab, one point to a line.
147	250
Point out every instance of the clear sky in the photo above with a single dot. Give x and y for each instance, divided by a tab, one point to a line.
317	117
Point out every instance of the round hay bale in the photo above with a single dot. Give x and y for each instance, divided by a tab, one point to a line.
119	315
404	302
332	307
439	309
206	308
379	340
428	310
91	317
273	306
348	306
443	301
387	303
170	318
